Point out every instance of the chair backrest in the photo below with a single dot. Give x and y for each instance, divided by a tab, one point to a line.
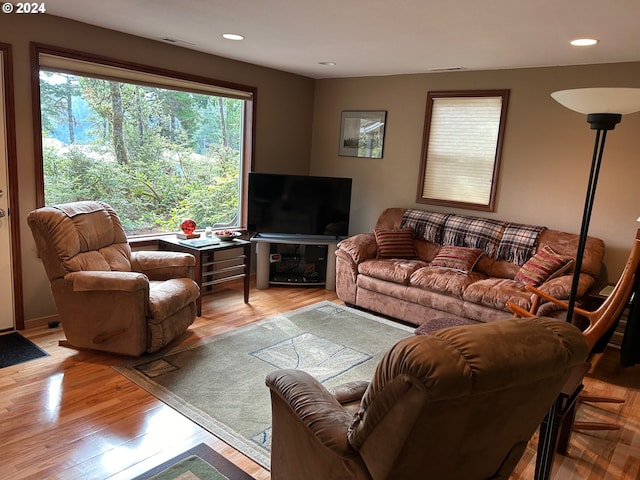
79	236
603	318
464	401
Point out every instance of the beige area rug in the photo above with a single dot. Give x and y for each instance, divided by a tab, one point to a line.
219	382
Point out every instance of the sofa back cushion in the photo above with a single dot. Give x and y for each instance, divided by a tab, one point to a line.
563	243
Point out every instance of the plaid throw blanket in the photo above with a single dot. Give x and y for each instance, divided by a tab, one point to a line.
474	232
427	225
518	242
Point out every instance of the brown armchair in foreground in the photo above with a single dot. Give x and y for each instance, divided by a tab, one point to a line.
108	297
460	403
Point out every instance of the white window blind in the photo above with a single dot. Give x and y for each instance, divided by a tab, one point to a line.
462	149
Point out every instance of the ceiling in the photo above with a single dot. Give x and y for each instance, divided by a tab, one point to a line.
379	37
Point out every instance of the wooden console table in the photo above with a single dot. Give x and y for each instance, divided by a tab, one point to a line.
206	263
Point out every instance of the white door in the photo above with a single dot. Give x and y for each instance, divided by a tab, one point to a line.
6	269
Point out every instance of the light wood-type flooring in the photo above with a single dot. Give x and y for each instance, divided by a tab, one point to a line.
71	416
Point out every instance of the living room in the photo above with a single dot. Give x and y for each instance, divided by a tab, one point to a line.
544	160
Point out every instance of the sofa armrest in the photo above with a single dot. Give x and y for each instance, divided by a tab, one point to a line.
161	265
359	247
560	287
99	281
315	407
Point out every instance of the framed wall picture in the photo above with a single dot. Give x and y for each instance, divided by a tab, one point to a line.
362	133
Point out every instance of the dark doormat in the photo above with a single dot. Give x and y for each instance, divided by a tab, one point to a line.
14	349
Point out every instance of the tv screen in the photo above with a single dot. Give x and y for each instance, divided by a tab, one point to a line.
299	205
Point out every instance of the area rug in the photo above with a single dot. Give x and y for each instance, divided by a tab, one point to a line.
219	382
15	349
199	462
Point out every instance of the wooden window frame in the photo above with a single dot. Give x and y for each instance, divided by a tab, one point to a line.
432	97
217	87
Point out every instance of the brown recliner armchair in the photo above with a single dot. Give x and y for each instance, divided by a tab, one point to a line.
108	297
461	403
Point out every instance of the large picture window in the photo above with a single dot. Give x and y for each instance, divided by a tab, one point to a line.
461	148
158	147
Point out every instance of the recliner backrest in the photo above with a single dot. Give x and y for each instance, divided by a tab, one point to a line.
463	401
80	236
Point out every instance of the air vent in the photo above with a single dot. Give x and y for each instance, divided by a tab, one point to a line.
175	41
446	69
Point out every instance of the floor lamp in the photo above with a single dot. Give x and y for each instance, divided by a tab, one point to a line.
604	108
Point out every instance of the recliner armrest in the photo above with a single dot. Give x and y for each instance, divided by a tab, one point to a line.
161	265
350	392
315	407
107	281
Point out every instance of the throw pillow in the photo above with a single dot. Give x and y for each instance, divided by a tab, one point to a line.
544	265
461	259
396	244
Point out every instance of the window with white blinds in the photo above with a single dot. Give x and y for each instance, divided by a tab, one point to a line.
461	152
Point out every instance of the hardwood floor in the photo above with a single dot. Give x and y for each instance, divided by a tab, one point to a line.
71	416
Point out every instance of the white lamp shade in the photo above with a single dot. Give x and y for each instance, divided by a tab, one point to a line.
600	100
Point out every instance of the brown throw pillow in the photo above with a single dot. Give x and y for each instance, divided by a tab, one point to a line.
544	265
461	259
396	244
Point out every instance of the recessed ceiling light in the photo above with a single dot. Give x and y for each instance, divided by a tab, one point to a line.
232	36
327	64
583	42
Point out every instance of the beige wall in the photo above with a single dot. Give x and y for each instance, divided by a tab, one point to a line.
545	161
284	112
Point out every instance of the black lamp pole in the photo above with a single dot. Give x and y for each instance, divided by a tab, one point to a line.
602	122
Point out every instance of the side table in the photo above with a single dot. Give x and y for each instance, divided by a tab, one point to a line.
206	262
595	297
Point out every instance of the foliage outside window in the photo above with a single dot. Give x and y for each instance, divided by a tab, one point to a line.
461	150
155	153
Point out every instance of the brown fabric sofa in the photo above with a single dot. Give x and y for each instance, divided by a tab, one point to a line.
108	297
414	291
461	403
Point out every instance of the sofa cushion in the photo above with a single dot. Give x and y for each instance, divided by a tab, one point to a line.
461	259
444	280
396	243
544	265
396	270
495	292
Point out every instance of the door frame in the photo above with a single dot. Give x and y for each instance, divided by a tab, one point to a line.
12	171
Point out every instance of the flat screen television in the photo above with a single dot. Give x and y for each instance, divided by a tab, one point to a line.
281	205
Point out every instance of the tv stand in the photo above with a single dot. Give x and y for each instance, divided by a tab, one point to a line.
295	260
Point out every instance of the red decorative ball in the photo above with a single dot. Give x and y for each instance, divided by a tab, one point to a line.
188	226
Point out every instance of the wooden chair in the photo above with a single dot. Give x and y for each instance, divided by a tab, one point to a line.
601	321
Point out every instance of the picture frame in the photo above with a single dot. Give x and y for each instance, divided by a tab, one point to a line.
362	133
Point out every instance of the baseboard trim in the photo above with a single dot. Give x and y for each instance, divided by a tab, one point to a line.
40	322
